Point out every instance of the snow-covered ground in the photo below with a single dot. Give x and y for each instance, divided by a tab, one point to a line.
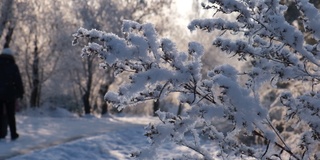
54	134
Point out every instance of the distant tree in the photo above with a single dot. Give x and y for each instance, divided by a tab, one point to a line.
7	21
38	52
6	14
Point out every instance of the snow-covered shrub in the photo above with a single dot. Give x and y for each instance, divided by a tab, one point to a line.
277	53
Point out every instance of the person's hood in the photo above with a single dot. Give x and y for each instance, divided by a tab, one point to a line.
6	59
7	51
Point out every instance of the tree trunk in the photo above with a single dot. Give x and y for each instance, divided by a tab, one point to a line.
156	107
179	109
104	87
87	90
103	104
86	102
6	14
8	37
35	90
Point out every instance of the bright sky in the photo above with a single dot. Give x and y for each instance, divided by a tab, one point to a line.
183	8
184	5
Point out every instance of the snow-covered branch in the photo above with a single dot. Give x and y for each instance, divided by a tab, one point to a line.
276	51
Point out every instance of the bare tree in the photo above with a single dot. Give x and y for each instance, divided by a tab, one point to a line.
6	14
40	50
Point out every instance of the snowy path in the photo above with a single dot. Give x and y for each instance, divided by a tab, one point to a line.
37	147
46	132
42	146
74	138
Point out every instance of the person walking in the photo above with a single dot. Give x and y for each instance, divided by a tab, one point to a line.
11	89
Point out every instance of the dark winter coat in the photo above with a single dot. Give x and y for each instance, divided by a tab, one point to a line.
10	79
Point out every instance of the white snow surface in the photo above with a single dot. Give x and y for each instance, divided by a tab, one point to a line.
55	134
